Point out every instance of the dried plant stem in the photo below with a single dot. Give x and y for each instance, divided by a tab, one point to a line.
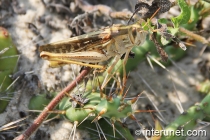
38	121
194	36
103	9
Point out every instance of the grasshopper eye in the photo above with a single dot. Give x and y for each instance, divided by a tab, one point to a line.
132	33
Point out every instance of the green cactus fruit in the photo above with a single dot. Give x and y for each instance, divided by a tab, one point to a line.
94	83
97	107
38	102
8	63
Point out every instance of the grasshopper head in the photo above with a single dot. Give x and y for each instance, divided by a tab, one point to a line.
137	35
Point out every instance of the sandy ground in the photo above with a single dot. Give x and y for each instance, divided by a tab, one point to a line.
172	91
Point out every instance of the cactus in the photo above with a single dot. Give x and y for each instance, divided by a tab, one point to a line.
188	119
91	106
114	108
8	63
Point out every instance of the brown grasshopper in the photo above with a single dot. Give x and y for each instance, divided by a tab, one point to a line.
95	47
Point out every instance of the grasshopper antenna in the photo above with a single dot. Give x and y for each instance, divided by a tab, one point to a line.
136	10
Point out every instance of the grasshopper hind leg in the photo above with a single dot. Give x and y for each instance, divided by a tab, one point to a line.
127	55
60	62
109	74
109	71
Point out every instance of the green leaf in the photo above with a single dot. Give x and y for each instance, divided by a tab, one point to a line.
172	31
163	21
184	17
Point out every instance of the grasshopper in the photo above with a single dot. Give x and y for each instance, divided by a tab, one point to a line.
95	47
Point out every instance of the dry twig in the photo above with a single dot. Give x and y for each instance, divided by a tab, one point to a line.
38	121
